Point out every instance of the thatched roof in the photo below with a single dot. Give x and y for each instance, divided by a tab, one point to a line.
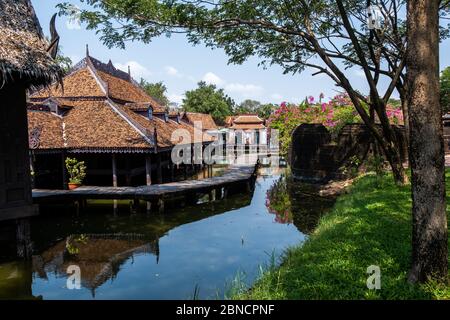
23	48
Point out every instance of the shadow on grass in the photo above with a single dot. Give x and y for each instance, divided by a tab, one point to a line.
371	225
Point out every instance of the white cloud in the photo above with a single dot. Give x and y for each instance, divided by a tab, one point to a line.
177	98
138	71
73	23
172	71
276	96
211	78
246	90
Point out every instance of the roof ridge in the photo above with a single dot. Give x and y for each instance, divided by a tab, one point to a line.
148	136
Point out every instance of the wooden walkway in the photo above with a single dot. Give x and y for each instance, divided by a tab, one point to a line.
235	174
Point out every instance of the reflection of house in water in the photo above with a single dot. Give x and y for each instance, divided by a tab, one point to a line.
99	257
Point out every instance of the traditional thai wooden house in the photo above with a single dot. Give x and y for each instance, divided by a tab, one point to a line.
246	129
24	63
104	118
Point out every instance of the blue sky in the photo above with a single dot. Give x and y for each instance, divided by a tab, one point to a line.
180	66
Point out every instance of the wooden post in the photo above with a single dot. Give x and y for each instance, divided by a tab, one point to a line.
148	170
128	172
148	177
224	193
64	170
33	171
114	170
161	205
23	238
172	173
158	169
212	195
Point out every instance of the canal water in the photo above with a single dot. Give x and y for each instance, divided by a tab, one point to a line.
204	251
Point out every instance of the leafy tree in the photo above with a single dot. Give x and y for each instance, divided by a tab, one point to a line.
157	90
247	106
288	33
266	110
445	90
64	62
208	99
255	107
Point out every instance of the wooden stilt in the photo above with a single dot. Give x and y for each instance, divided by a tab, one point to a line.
148	178
114	170
23	239
115	207
128	172
212	195
158	169
224	193
161	205
32	169
172	172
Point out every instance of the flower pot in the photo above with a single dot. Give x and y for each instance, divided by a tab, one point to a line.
73	186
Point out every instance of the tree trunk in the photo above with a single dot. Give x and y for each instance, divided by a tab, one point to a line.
429	234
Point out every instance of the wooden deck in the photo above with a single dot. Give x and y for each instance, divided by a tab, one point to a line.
235	174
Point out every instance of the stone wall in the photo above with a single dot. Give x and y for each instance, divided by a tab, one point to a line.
315	157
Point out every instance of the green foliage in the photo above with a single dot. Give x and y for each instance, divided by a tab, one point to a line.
445	89
255	107
370	225
157	91
64	62
76	170
208	99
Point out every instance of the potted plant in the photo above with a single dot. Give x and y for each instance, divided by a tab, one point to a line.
77	172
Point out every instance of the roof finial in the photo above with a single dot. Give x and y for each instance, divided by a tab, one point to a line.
87	50
129	72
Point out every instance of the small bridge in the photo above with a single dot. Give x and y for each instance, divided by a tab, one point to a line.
237	174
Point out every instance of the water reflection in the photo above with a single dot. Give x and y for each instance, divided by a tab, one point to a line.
161	256
295	202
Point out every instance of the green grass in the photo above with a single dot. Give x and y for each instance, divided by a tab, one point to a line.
370	225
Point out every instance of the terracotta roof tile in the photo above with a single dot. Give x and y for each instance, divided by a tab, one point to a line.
125	90
81	83
248	118
47	127
94	124
206	120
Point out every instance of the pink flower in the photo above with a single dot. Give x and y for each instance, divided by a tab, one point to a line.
324	107
311	99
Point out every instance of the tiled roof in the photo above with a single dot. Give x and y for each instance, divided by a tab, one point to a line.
124	90
81	83
164	129
206	120
95	124
48	127
248	118
104	111
247	126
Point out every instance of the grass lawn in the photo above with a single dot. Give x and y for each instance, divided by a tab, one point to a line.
370	225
